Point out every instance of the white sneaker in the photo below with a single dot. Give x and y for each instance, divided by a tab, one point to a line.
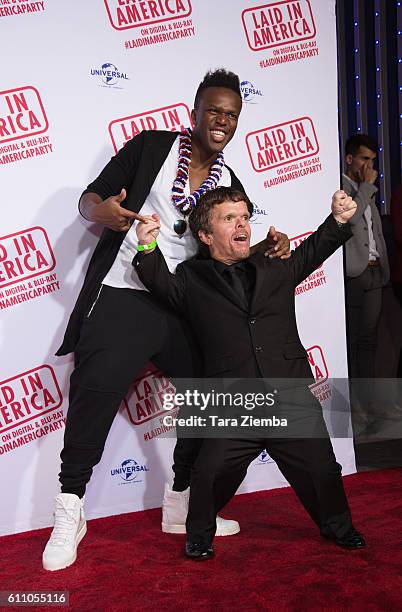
69	529
174	510
225	527
174	514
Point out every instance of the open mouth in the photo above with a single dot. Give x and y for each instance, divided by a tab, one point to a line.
241	238
218	135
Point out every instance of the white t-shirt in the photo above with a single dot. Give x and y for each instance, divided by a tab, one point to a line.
175	248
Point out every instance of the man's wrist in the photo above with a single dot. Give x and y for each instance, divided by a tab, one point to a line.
340	224
150	246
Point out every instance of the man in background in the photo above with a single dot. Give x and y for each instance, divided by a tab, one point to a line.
367	271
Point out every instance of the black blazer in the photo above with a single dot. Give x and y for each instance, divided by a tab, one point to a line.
234	339
135	167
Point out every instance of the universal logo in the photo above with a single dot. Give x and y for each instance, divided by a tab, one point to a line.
258	215
264	458
129	471
109	76
249	92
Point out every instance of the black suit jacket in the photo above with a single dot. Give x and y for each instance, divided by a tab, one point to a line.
135	167
236	341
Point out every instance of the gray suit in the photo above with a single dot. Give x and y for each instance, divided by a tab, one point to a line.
357	248
367	271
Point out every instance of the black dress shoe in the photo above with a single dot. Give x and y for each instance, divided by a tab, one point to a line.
198	551
351	540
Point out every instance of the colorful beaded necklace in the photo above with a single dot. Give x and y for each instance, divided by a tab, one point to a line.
185	204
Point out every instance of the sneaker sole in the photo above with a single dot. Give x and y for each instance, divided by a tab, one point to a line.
226	531
80	535
181	530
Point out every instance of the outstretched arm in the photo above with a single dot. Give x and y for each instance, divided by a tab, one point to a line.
330	235
152	269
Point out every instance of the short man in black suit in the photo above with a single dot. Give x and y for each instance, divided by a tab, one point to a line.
249	330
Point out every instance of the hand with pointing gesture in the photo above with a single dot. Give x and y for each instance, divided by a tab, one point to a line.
108	212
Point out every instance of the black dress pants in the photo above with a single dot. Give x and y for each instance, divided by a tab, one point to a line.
363	309
122	332
309	465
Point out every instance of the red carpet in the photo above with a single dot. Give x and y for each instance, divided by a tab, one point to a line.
278	562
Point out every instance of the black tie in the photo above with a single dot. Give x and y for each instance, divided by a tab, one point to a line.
235	282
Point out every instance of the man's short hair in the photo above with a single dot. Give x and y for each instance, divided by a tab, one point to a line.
200	218
218	78
356	141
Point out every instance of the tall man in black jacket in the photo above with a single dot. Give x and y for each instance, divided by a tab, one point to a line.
246	327
109	326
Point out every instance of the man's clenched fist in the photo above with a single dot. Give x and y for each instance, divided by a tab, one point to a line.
343	207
